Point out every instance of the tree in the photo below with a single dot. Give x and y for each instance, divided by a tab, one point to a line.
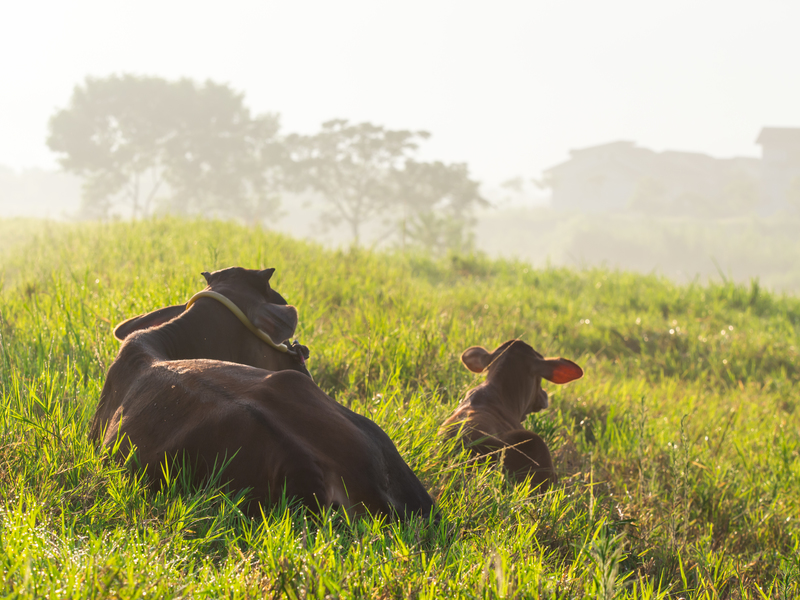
222	159
113	134
134	137
739	196
436	203
353	166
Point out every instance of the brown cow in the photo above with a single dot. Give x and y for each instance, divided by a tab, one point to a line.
175	391
489	419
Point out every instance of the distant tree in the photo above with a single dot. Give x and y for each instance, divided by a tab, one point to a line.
739	196
114	135
221	159
544	183
518	190
515	184
353	166
436	203
132	138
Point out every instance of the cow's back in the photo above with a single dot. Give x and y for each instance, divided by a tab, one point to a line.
353	451
277	429
131	365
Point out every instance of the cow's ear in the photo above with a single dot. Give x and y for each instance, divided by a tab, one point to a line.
559	370
266	274
207	276
278	321
153	319
476	359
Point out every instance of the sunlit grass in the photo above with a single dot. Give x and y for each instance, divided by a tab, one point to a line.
678	451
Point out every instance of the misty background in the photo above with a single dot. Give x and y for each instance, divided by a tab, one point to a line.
656	138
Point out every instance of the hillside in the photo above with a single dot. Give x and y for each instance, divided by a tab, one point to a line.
678	450
685	249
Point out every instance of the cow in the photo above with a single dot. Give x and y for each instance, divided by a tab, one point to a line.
489	419
209	386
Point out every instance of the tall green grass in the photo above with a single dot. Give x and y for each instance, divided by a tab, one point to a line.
678	450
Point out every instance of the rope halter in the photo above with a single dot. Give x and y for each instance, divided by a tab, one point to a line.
259	333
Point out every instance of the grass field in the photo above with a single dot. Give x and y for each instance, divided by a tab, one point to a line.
678	450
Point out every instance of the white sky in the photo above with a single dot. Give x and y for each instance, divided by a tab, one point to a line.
507	86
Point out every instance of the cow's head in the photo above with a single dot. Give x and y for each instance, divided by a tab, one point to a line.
520	369
250	291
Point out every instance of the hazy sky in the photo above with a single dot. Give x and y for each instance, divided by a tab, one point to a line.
508	87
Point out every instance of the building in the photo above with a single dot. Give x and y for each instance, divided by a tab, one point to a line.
780	168
621	176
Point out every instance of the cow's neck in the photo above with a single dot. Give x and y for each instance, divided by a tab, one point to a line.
515	390
206	330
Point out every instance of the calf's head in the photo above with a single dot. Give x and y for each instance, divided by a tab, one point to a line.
519	369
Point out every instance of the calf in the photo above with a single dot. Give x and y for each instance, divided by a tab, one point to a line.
489	419
206	385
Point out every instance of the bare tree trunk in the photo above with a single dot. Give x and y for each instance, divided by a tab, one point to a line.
157	184
403	233
135	196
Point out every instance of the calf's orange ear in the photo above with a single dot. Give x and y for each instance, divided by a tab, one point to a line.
560	370
476	359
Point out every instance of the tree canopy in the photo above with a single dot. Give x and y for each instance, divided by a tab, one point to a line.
132	138
436	203
366	171
352	165
147	143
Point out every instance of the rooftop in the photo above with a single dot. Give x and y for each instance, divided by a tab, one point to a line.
779	135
